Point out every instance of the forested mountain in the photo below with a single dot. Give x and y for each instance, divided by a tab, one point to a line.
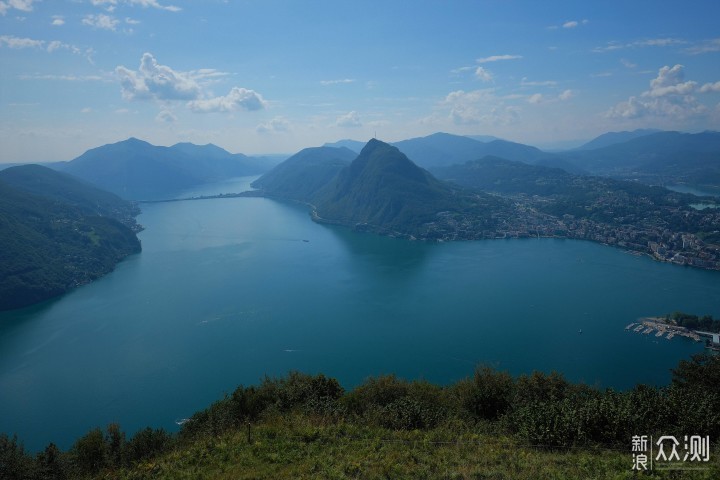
71	191
48	246
302	175
137	170
382	190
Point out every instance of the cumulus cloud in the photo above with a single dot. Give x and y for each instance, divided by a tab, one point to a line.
669	96
58	20
276	125
101	21
482	74
710	87
22	5
546	83
237	99
351	119
155	81
574	23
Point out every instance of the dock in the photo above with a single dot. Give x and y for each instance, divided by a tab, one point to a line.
646	326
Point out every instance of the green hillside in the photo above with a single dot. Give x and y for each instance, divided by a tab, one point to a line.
489	425
383	191
50	244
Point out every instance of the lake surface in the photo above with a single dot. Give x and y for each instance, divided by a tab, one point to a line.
228	290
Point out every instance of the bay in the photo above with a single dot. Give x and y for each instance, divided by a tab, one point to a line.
228	290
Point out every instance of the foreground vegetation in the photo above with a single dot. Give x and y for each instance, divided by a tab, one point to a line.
487	426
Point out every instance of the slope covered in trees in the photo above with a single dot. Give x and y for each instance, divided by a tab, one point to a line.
50	244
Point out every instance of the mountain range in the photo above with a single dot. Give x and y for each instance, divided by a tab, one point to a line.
136	170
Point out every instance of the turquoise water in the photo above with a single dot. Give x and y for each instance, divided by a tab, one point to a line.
228	290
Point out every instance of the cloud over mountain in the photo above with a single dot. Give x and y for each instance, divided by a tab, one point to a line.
238	99
669	96
153	81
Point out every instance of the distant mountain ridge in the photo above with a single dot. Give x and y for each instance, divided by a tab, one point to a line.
137	170
612	138
663	157
443	149
56	233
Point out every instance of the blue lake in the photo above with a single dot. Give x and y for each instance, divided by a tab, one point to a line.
229	290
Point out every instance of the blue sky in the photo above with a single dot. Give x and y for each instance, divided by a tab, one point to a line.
270	76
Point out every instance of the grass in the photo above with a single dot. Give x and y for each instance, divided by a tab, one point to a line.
302	446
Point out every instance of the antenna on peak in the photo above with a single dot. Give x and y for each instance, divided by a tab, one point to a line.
375	136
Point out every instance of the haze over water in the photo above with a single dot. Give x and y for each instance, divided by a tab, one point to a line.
229	290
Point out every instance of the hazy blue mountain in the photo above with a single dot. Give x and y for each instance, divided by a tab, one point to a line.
302	175
69	190
210	162
443	149
483	138
612	138
659	157
48	246
135	169
353	145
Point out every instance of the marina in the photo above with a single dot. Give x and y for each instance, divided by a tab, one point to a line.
663	328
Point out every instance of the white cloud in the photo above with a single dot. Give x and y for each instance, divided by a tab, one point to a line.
652	42
535	98
566	95
669	96
17	42
276	125
710	87
165	116
482	74
86	110
628	63
351	119
22	5
131	21
101	21
337	82
237	99
155	81
707	46
547	83
570	24
143	3
65	78
58	20
479	107
496	58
